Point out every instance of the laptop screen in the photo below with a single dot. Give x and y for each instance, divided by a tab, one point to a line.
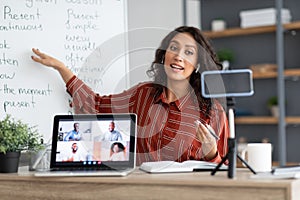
105	141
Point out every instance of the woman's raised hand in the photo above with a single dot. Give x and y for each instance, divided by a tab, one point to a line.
47	60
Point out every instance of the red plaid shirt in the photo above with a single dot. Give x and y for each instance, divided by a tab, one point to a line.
166	131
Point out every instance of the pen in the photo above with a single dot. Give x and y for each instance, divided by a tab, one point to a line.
210	130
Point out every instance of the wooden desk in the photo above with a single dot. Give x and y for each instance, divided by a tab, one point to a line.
141	186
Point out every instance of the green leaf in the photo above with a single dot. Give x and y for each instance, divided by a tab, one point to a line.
18	136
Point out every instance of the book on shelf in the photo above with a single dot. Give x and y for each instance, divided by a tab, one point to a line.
172	166
263	17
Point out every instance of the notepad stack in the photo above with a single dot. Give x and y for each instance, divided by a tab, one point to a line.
286	170
186	166
263	17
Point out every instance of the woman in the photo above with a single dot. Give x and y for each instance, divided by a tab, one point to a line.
168	107
117	152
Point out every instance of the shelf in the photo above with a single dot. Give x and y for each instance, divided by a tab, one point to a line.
265	120
250	31
273	74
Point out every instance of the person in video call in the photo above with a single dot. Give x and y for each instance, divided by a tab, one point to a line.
117	152
168	106
74	155
73	135
112	134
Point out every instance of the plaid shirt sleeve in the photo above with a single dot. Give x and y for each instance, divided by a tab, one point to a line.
85	100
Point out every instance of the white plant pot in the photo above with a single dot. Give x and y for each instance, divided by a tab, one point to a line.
274	111
218	25
225	65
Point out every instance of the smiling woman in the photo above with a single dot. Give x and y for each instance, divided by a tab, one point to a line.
181	59
168	106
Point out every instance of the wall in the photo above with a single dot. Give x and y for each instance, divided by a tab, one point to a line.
148	22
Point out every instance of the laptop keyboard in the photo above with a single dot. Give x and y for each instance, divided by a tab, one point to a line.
86	172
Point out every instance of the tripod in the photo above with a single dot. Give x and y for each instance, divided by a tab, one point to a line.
231	154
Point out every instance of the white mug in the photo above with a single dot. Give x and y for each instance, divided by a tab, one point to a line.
259	156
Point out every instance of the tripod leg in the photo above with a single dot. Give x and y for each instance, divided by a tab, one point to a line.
219	165
245	163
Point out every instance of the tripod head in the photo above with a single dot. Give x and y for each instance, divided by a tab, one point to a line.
230	103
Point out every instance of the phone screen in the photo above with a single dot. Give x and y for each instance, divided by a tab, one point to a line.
228	83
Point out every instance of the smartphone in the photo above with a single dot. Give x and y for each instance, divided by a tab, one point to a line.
227	83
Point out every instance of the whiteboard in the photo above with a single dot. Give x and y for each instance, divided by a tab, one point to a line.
89	36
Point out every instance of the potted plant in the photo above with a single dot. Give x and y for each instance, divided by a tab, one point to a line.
273	106
218	24
225	56
16	136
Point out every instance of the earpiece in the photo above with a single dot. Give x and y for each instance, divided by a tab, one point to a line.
162	59
198	68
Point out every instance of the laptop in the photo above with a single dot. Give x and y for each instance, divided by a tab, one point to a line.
93	145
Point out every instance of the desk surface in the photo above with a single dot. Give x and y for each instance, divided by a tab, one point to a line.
141	185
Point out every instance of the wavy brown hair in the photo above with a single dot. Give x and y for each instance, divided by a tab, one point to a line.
157	71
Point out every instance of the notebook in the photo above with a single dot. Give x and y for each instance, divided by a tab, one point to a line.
92	145
186	166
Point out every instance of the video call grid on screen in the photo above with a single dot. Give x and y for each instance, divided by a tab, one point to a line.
92	147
